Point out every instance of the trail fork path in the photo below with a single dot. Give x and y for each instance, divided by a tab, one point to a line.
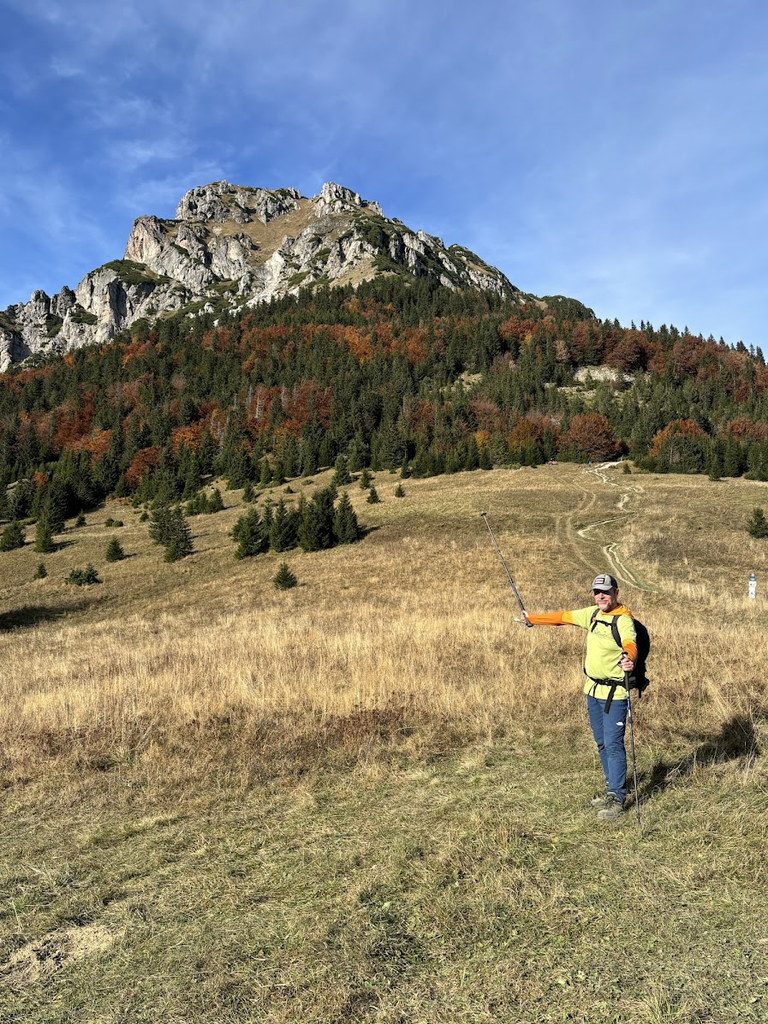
581	539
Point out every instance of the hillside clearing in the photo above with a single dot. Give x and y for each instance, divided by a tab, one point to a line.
365	799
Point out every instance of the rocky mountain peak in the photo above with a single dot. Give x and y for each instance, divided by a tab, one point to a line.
337	199
223	202
230	247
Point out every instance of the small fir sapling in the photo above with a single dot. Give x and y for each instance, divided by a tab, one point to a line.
284	579
757	526
83	577
114	552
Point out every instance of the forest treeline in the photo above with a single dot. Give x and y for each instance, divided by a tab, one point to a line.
398	375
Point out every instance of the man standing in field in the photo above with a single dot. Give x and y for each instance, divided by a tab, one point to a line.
604	667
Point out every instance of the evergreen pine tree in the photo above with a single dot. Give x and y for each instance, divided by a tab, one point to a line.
326	453
355	462
44	535
160	528
732	457
309	452
216	502
13	536
399	491
290	456
83	577
342	475
346	528
265	477
191	481
249	534
267	512
373	496
20	500
283	530
40	572
715	461
55	506
197	505
757	525
166	489
472	457
453	462
284	579
90	574
114	552
316	525
179	543
169	527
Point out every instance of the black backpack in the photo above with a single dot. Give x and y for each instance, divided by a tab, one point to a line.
637	679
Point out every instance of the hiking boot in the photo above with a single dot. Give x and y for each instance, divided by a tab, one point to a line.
614	808
601	801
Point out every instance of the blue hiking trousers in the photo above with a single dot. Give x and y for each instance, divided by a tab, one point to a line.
608	731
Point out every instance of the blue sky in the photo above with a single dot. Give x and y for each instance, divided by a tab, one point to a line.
616	152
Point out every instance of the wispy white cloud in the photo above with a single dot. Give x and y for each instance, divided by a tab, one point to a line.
614	151
160	195
52	237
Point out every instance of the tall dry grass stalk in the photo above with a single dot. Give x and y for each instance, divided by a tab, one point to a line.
404	640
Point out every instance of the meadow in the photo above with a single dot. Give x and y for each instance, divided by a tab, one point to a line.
367	798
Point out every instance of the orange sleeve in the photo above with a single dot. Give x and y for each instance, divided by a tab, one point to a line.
561	618
630	647
627	645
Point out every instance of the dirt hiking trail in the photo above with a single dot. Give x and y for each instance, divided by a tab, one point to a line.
591	482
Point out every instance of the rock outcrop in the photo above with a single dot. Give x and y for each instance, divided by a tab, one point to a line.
229	247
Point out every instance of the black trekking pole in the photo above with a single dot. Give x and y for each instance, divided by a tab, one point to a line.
632	746
506	570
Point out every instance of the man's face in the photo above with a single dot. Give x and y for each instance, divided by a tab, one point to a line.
606	600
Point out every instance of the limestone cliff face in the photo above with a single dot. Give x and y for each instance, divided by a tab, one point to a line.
229	247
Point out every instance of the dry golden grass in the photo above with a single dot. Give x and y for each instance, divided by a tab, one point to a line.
366	798
406	637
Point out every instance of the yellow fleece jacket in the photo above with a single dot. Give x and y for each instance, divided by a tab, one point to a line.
602	655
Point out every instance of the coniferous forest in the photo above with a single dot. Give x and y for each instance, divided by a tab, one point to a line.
400	375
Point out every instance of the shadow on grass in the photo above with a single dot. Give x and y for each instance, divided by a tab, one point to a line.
366	530
32	615
60	545
736	741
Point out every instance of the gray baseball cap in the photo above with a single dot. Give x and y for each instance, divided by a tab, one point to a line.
605	582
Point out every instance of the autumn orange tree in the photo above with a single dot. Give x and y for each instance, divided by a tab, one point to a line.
590	436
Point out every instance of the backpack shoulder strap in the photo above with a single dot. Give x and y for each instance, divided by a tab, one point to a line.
613	627
615	631
594	621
